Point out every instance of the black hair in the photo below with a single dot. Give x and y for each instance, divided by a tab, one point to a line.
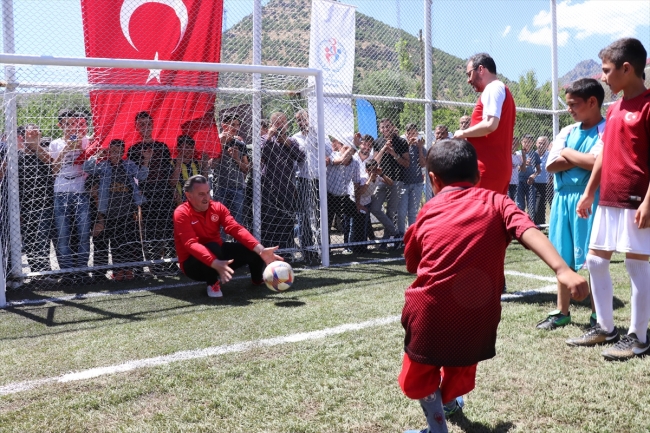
528	137
453	160
628	50
185	139
264	123
483	59
371	164
386	119
369	138
228	118
196	179
411	127
117	142
442	126
65	113
143	115
585	88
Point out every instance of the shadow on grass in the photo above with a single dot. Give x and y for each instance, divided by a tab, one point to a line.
545	298
476	427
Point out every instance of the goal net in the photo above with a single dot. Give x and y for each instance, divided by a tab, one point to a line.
94	160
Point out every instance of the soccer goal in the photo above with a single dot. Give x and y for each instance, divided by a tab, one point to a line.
94	153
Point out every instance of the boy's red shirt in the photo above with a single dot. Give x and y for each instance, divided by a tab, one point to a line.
457	249
192	230
626	153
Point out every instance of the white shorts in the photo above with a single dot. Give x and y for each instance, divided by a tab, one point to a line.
614	230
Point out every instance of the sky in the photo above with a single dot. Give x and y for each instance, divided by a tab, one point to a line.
516	33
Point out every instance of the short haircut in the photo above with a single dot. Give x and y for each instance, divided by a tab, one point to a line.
229	118
276	115
369	138
411	127
483	59
65	113
628	50
585	88
143	115
185	139
442	127
385	120
196	179
264	123
453	160
528	137
117	142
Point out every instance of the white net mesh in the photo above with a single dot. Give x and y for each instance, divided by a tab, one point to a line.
99	169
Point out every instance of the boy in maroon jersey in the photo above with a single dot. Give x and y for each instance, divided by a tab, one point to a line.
622	219
457	247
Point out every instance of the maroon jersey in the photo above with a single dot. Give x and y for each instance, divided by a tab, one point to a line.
626	153
457	247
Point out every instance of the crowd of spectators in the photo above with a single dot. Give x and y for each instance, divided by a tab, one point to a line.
118	202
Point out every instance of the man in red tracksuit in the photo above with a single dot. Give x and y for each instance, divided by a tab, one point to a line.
202	254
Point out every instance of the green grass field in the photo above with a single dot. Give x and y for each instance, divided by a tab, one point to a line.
343	380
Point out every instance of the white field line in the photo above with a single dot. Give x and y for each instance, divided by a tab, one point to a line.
17	387
196	354
239	277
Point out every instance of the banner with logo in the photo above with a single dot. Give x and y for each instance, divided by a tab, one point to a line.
178	30
331	49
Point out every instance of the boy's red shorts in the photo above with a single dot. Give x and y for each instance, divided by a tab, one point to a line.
421	380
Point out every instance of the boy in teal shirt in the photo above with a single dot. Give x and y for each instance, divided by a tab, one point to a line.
571	159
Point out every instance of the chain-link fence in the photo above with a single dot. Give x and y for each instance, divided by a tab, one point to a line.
390	81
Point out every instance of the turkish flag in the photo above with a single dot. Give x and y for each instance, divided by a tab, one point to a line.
178	30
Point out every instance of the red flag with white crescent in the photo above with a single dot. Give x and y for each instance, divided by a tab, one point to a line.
177	30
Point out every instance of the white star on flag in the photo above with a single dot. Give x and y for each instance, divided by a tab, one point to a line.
154	73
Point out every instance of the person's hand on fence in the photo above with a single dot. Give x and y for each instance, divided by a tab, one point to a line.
225	271
234	153
32	136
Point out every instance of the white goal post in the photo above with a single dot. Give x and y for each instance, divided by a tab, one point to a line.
12	92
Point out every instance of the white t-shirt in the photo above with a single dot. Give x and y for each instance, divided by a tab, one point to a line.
71	177
493	97
516	162
308	169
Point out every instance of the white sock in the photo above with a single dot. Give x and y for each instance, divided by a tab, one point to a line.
602	291
639	271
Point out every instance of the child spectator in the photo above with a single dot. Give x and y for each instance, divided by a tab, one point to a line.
622	219
119	197
571	160
452	310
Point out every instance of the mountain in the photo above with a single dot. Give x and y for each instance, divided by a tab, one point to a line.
286	26
585	69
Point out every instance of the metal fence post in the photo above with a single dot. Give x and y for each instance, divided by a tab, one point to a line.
428	88
257	120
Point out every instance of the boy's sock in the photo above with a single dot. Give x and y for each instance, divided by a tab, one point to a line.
639	271
433	410
602	290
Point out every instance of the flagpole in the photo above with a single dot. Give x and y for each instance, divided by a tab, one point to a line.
12	153
257	121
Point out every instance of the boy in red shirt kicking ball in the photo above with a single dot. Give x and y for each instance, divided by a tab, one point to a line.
452	310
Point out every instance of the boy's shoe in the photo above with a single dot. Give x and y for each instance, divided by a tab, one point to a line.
348	251
257	283
593	320
214	291
455	406
594	336
627	347
554	320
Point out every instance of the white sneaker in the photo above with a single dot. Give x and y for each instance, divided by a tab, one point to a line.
214	291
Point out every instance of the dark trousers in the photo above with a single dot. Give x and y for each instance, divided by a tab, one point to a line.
241	255
359	230
541	191
122	236
278	220
340	206
512	191
308	212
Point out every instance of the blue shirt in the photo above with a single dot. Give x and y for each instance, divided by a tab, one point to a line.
530	168
581	140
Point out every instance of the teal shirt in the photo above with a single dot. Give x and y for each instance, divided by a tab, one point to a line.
581	140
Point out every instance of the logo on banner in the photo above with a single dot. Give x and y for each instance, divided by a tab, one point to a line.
331	55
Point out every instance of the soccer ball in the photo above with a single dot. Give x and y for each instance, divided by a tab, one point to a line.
278	276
